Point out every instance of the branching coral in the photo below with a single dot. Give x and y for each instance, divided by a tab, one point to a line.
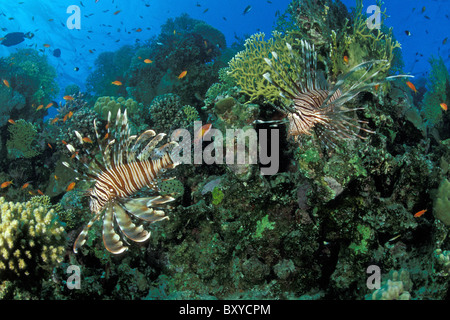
359	43
31	239
21	142
248	66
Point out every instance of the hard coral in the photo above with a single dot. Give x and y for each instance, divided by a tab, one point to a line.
248	66
31	240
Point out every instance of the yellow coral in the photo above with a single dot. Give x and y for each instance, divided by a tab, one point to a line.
31	239
248	66
360	44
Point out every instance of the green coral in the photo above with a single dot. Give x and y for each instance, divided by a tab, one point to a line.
22	140
263	225
359	44
217	196
438	91
442	203
31	239
190	114
363	235
104	105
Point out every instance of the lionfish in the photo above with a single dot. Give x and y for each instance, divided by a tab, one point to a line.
313	105
128	164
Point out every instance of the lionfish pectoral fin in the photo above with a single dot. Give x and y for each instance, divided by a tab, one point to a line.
111	239
133	232
81	239
140	208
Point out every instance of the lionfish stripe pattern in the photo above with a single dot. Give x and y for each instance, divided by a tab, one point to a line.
315	106
128	164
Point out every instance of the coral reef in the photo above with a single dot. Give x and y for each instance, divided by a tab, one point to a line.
307	232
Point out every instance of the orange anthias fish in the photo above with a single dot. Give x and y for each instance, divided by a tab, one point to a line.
68	98
70	186
346	59
411	86
46	45
200	133
40	107
420	213
117	12
70	114
148	61
5	82
11	121
138	30
86	139
65	118
444	106
116	83
54	120
6	184
182	75
25	185
49	105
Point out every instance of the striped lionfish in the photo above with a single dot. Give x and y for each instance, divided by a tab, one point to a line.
128	164
313	105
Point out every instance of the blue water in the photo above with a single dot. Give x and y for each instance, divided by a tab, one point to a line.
79	48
